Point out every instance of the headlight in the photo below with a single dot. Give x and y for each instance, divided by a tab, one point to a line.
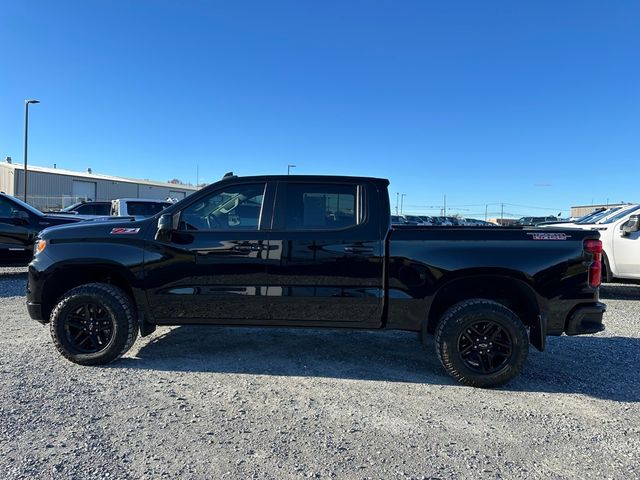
39	246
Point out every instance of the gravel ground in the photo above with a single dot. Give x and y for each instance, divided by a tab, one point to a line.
197	402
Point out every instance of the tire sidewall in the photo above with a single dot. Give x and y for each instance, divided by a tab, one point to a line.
455	325
117	341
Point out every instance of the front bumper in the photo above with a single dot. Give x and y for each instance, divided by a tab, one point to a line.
586	319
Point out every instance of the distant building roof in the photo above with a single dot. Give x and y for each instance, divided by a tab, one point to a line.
599	205
99	176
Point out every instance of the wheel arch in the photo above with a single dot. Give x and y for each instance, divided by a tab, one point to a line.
72	275
513	293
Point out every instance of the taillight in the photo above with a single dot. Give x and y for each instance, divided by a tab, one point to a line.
595	269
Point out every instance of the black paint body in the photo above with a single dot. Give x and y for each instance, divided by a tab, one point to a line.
366	276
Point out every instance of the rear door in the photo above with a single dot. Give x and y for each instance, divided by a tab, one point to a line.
213	268
325	255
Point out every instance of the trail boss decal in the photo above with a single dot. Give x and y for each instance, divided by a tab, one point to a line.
549	236
124	231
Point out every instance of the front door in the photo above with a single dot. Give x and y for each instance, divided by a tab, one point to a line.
325	257
212	269
626	252
16	233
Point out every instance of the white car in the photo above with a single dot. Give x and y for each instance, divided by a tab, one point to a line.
137	207
620	241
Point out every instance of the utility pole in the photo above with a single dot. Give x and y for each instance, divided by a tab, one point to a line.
26	133
444	209
402	202
501	213
397	202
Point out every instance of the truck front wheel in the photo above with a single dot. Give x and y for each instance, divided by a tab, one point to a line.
94	324
481	343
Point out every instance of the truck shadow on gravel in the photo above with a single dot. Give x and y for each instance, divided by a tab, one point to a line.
13	285
613	291
598	366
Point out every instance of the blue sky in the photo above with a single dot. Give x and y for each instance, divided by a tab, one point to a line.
534	104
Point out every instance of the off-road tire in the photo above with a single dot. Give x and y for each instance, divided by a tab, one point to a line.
457	319
118	306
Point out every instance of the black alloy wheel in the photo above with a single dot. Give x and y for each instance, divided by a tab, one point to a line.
485	347
94	324
89	327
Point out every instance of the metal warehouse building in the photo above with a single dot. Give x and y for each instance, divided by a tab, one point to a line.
54	188
581	210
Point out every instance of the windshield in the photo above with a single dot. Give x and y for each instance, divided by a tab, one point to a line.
621	214
598	216
71	207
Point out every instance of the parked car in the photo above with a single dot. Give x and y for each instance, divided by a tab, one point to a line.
137	207
426	220
398	220
19	225
534	221
88	208
315	251
620	241
416	220
442	221
588	219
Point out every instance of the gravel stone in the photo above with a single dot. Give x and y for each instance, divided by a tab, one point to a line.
204	402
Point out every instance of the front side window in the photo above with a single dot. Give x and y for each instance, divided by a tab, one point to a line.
8	209
321	207
237	207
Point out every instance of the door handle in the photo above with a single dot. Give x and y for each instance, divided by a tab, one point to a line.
361	250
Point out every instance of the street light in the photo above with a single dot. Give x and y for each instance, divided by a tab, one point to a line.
289	167
402	202
26	133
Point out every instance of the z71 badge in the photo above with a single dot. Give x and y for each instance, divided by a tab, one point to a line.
124	231
549	236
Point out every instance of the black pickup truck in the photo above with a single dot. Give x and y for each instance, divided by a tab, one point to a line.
315	251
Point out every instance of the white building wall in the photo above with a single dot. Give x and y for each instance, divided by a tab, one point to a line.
7	182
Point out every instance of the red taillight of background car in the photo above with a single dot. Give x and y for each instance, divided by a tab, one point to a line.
595	269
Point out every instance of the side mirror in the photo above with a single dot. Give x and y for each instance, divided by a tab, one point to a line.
21	216
165	227
631	226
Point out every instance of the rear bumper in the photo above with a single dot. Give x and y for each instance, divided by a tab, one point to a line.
35	312
586	319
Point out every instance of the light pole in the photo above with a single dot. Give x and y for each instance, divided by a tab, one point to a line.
397	202
26	133
289	167
402	202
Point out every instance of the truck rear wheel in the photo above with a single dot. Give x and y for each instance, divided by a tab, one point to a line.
481	343
94	324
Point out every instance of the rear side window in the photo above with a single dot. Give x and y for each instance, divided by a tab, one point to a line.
321	207
102	208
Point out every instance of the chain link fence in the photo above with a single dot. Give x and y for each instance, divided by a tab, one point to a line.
53	203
